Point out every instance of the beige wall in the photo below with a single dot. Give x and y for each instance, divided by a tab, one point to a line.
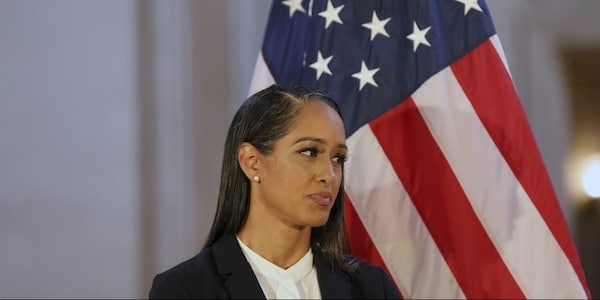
68	119
113	115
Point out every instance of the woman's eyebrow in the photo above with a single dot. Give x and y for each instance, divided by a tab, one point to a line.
317	140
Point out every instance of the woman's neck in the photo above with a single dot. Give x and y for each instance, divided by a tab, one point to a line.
280	244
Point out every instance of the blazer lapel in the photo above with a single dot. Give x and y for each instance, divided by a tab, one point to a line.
333	283
241	283
239	279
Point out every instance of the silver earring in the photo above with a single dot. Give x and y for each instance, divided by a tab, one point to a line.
256	178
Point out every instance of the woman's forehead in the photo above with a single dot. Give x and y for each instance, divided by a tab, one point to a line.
317	119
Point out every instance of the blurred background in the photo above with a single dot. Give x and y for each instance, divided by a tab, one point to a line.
113	116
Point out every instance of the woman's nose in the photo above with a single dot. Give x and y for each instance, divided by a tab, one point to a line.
328	172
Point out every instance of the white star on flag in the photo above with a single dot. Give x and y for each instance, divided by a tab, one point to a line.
331	14
470	4
294	5
321	65
377	26
365	76
418	36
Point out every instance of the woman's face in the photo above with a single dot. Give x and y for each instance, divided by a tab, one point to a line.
301	178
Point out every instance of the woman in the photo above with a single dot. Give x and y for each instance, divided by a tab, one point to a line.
279	228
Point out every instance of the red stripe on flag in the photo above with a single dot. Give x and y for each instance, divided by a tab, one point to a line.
496	102
361	244
442	204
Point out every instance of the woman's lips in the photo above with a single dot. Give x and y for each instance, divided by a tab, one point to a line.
322	198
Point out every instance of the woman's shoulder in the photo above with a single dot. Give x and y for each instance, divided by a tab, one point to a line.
205	275
362	266
199	263
374	281
180	280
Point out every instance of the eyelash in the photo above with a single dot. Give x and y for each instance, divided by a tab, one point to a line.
312	152
341	159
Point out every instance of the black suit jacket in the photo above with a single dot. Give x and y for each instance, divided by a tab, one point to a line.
222	272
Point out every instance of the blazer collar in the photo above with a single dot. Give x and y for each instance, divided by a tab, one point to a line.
240	281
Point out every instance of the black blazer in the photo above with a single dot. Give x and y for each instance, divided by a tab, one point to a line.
222	272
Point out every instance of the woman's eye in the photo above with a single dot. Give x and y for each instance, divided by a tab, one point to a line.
339	158
309	152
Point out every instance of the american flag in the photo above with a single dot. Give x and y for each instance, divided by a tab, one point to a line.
445	187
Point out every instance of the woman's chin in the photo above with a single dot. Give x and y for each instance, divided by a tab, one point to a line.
320	221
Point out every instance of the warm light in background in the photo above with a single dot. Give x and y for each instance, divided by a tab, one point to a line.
590	178
584	177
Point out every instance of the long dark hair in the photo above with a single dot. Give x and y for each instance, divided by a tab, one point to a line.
262	119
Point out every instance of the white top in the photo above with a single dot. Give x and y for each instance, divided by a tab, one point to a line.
296	282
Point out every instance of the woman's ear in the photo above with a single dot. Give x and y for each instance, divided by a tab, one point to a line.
248	159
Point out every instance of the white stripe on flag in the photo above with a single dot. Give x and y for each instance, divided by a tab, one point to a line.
393	223
507	213
262	77
498	46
